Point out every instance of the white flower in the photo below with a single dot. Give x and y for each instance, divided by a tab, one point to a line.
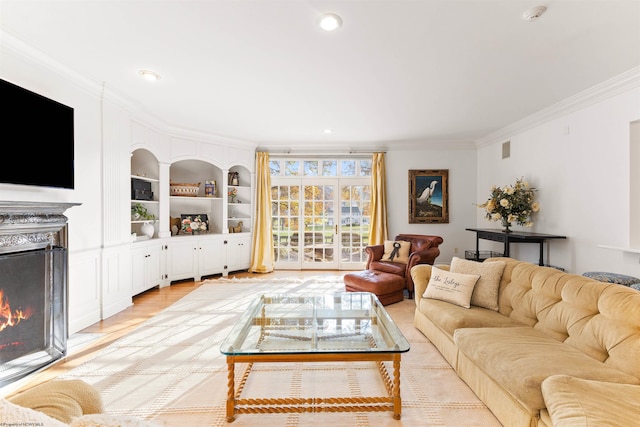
511	203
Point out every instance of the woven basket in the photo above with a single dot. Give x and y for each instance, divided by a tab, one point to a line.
184	189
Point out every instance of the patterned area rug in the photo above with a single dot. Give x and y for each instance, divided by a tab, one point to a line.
170	368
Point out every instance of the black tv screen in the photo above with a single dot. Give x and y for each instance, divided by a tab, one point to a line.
37	139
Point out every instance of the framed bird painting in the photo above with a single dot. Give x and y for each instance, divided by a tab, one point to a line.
429	196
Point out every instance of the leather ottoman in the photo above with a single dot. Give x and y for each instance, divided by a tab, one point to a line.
389	288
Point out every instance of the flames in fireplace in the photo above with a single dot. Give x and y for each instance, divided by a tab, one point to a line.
9	316
11	335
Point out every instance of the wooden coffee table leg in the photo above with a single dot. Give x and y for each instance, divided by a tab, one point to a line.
231	392
397	400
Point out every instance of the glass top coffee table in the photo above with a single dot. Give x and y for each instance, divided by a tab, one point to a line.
340	327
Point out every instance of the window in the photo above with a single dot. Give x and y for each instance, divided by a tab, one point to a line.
320	211
320	167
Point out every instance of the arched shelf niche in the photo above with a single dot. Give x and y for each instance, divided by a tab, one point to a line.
195	189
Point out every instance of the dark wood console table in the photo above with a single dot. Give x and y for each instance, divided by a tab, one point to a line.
512	237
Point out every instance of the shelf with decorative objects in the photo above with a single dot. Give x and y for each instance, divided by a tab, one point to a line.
144	210
239	200
145	200
193	195
142	221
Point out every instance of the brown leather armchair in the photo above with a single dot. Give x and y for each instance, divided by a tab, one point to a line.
424	250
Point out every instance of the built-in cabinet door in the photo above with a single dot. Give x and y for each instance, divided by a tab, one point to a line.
182	259
238	252
154	266
211	256
146	267
196	257
138	268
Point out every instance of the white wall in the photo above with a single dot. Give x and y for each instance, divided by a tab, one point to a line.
31	70
580	163
85	220
461	163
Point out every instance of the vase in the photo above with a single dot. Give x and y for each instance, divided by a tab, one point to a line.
147	229
506	224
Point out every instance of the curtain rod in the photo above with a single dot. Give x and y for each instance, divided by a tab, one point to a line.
320	156
293	153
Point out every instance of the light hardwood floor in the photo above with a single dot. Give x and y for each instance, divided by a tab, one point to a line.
145	306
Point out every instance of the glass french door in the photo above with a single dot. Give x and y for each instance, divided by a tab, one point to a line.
320	224
355	206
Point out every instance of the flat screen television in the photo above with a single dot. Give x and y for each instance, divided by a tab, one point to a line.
37	139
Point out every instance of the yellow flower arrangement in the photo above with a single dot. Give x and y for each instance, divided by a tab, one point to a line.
511	203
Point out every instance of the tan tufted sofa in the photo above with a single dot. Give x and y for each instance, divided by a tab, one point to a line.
562	349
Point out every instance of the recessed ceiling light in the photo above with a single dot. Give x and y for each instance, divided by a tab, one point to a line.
534	13
149	75
330	21
328	131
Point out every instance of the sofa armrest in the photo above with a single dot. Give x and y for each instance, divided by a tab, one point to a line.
374	253
420	275
427	256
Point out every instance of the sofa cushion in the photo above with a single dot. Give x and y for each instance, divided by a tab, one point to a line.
63	400
389	267
485	293
520	358
576	402
451	317
396	251
455	288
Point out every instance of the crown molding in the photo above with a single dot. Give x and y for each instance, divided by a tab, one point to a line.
374	146
194	135
16	47
428	144
101	91
607	89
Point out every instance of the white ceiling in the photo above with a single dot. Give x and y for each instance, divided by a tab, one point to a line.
397	72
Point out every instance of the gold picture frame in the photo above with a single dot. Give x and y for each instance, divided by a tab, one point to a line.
429	196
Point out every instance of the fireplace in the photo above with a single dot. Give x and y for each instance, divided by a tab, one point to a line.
33	287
